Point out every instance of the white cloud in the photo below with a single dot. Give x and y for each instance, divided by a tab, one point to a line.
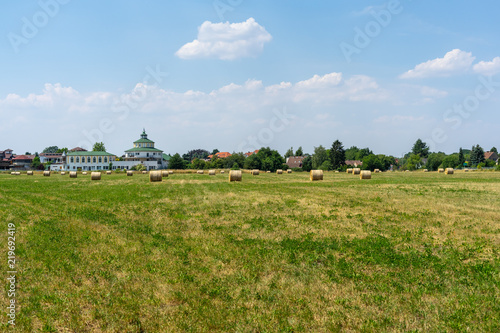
488	67
455	61
432	92
226	41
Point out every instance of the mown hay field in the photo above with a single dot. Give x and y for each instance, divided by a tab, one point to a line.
195	253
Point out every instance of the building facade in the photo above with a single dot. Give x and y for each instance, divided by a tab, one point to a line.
87	161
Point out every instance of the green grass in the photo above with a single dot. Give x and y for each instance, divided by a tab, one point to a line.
275	253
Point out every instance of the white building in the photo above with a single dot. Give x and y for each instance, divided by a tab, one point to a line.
143	152
88	160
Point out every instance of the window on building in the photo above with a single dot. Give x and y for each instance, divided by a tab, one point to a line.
100	159
94	160
105	160
147	155
72	160
88	159
78	160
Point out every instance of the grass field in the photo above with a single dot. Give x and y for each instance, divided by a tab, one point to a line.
274	253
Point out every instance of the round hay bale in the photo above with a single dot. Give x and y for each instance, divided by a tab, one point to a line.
365	174
130	173
376	170
425	170
289	171
164	173
144	172
18	173
95	176
84	173
449	171
108	172
465	170
235	176
200	172
29	173
72	174
316	175
211	172
255	172
63	173
222	171
279	172
356	171
170	172
440	170
268	171
46	173
155	176
349	170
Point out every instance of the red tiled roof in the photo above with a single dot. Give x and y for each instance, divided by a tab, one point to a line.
251	152
491	155
24	157
221	154
78	149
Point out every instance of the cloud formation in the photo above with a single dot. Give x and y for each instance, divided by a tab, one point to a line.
488	67
455	61
226	41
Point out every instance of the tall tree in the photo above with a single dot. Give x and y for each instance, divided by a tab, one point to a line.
320	155
307	163
337	155
299	152
176	162
196	153
98	146
476	155
350	153
493	149
63	150
50	150
215	151
461	157
289	153
420	148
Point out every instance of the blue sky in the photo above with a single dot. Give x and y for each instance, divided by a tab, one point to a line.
239	74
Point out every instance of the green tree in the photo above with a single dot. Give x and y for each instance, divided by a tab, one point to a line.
420	148
320	155
326	165
50	150
494	150
337	155
215	151
434	161
461	158
217	163
450	161
252	162
350	153
139	167
36	163
267	164
362	153
372	162
176	162
198	164
63	150
414	162
476	155
235	166
299	152
238	158
98	146
274	155
307	163
289	153
27	153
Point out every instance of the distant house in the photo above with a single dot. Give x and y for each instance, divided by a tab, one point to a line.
22	161
354	163
51	157
251	153
77	149
491	155
5	158
221	154
294	161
